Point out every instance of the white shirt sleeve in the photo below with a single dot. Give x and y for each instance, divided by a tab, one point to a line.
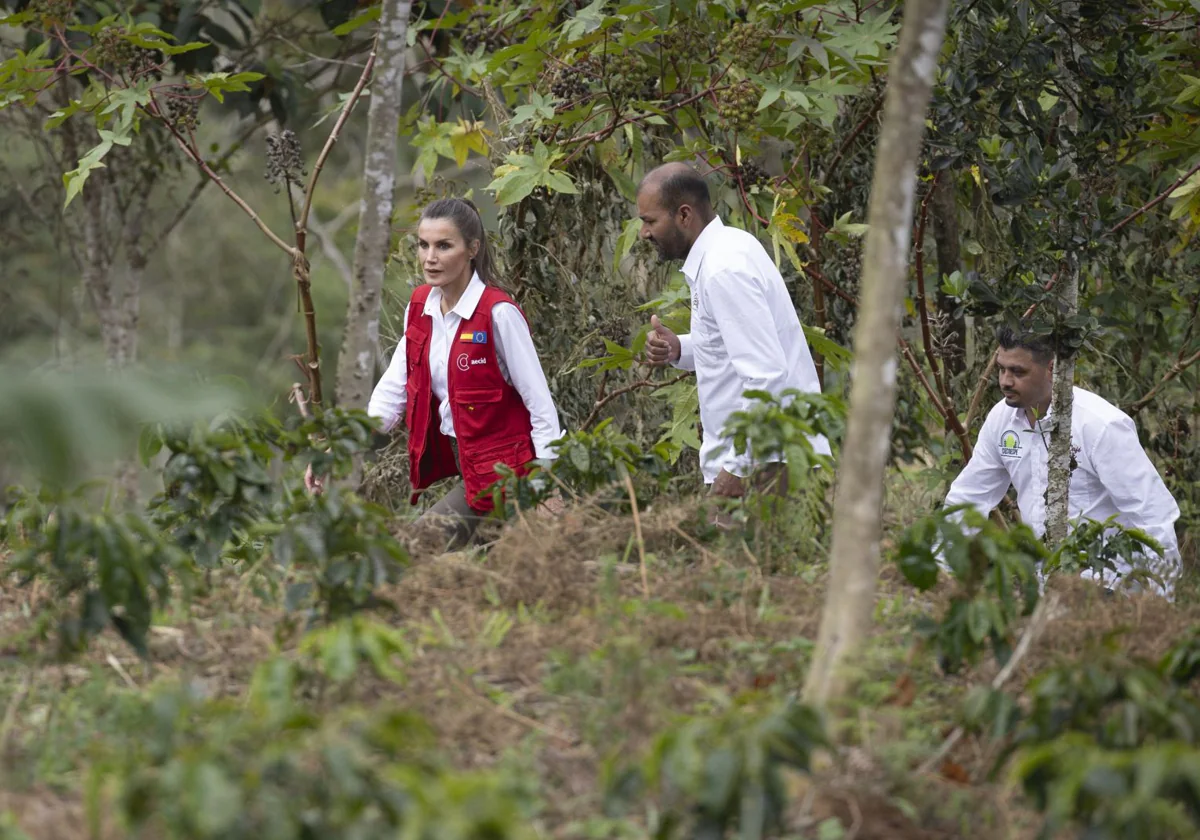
390	398
519	362
984	480
740	309
1135	486
687	356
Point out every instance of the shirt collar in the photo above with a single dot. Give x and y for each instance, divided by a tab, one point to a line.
691	266
465	307
1019	416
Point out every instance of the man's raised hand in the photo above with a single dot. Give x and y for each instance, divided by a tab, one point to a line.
662	345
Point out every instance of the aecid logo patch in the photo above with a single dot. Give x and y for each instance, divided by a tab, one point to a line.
1010	445
464	362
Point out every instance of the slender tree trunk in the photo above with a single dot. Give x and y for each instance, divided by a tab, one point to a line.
356	362
1062	402
949	259
854	563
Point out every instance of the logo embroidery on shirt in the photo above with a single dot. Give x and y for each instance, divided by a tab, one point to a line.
463	362
1010	445
478	337
482	361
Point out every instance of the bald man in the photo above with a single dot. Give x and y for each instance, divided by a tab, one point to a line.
745	334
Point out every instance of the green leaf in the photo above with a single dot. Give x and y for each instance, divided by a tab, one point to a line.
626	241
358	21
768	98
225	479
164	47
539	107
59	117
919	568
833	352
218	84
978	621
586	20
77	177
338	658
218	802
560	182
149	444
513	186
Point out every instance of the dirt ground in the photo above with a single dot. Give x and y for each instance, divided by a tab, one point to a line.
573	639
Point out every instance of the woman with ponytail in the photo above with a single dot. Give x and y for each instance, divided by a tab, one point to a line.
465	377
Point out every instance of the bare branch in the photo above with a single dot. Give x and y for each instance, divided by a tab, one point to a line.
333	138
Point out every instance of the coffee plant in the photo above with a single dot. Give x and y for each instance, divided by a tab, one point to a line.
994	574
722	773
105	570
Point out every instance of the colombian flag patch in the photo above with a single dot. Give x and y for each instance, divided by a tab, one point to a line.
479	337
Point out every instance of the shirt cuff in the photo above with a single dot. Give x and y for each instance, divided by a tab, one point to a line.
738	465
687	357
544	449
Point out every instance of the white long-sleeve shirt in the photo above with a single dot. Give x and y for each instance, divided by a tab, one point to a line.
1113	474
518	359
745	336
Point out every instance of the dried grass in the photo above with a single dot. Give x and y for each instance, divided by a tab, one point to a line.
487	697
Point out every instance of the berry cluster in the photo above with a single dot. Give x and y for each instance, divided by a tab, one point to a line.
182	111
53	11
111	48
424	195
684	44
479	31
752	175
627	76
737	104
284	162
747	42
569	85
147	63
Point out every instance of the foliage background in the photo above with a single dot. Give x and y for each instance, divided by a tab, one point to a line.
1062	147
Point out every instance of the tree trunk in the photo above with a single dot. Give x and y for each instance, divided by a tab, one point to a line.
356	362
953	331
1062	402
854	562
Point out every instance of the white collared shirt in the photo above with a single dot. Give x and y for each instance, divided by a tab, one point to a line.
745	336
1113	474
518	359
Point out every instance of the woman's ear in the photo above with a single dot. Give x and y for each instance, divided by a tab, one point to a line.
474	248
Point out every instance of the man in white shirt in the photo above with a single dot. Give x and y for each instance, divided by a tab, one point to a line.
745	334
1111	473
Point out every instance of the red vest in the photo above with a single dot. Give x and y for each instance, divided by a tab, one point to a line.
491	421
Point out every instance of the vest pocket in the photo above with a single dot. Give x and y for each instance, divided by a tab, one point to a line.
479	468
475	412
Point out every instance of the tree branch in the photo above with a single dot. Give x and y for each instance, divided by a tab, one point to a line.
922	306
641	383
333	137
852	136
1179	367
1154	202
202	182
211	174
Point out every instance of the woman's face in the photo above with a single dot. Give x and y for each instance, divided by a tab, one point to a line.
445	256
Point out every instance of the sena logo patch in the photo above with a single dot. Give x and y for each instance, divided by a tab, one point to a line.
1010	445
